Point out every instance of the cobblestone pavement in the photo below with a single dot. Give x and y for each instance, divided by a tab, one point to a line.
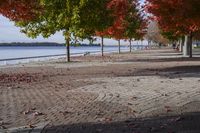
55	99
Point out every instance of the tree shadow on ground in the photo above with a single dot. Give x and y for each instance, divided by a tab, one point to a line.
178	71
168	54
186	123
181	59
170	72
182	69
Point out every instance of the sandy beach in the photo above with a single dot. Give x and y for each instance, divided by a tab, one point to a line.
140	92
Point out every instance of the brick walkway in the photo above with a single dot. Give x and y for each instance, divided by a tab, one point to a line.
109	98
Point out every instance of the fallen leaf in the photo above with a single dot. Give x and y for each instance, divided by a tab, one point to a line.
176	119
130	104
37	114
2	127
128	121
153	129
134	98
1	123
33	108
99	130
26	112
133	111
109	119
99	113
31	126
117	112
167	107
162	126
65	112
132	125
101	119
169	110
166	95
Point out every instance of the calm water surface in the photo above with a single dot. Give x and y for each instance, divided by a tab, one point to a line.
8	55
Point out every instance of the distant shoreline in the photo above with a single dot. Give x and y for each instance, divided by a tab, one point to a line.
42	44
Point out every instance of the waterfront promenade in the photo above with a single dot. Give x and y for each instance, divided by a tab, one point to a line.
140	92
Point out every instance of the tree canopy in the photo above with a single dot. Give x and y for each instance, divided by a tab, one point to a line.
118	19
176	17
78	17
20	10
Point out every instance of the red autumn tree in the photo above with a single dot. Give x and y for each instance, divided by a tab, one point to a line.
20	10
136	23
180	17
119	10
126	20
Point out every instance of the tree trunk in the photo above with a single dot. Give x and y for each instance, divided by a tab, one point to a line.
130	45
185	48
68	48
190	45
119	46
182	44
149	42
138	45
102	46
75	40
90	41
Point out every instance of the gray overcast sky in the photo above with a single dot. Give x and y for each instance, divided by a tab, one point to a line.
11	33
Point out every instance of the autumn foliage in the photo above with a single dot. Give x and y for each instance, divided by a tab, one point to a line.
120	8
28	10
177	16
18	10
119	19
126	18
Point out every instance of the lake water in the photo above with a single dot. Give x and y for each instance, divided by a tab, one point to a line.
14	55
